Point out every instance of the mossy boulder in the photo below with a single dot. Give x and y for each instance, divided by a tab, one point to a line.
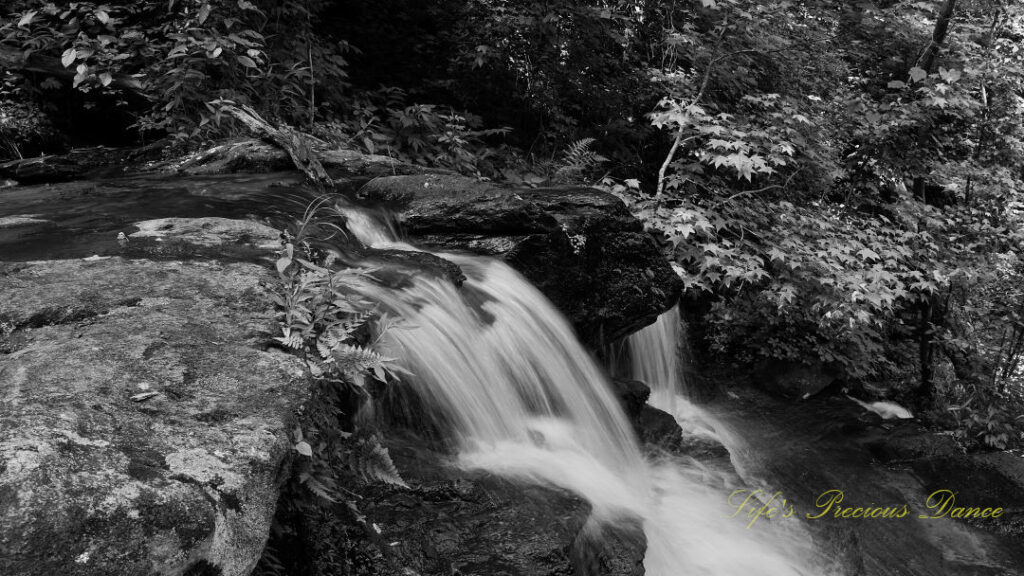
142	421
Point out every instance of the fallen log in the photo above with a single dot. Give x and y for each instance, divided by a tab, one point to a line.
298	145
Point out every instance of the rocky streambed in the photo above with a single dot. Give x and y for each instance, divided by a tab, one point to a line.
145	414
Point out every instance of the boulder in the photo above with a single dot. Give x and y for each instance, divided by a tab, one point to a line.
658	430
581	247
143	424
632	395
453	521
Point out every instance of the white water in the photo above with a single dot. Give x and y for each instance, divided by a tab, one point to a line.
656	359
526	401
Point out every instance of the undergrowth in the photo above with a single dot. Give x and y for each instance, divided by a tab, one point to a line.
325	319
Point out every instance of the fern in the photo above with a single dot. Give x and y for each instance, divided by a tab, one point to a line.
353	359
579	159
373	462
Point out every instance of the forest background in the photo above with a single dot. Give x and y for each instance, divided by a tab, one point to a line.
839	183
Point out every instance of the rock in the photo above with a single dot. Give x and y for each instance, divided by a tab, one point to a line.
907	441
453	521
142	428
399	266
617	548
210	232
632	394
794	379
579	246
981	480
658	430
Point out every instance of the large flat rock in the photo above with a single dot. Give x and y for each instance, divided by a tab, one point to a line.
142	427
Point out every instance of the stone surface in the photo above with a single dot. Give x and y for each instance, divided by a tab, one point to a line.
981	480
452	521
907	440
579	246
794	379
142	427
143	419
632	394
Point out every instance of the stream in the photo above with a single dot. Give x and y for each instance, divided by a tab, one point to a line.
504	369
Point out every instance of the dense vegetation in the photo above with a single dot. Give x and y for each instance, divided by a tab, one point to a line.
839	182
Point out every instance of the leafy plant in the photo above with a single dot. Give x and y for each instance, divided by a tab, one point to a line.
324	318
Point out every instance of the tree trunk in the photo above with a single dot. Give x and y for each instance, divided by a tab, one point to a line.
927	60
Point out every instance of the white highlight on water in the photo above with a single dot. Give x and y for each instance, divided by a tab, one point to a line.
526	401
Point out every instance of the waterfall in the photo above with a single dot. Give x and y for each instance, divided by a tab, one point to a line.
655	359
526	401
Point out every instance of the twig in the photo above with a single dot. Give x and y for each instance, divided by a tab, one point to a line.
758	191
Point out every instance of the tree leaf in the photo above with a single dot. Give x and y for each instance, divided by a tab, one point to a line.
917	74
106	78
304	448
27	18
204	13
247	62
68	57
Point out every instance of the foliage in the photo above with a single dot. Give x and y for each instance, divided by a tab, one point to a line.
324	318
862	215
832	184
163	61
381	123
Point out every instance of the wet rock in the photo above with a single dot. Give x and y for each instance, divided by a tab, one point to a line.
615	548
658	430
452	521
142	427
794	379
399	266
210	232
632	394
906	441
981	480
579	246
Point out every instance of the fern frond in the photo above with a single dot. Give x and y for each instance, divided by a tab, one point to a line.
291	339
579	152
579	157
320	488
352	323
352	359
373	462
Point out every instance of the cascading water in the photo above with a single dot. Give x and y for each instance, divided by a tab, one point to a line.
656	359
526	401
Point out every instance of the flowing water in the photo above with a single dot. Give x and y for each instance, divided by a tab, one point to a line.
503	368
